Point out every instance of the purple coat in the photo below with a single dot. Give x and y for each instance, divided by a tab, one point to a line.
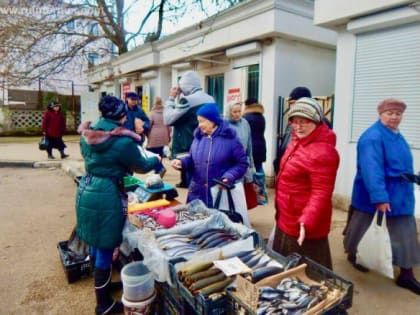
220	155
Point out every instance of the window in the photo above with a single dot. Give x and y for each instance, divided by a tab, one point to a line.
253	81
215	87
387	64
92	59
94	29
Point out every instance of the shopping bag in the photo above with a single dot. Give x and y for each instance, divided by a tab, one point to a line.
250	195
43	144
231	200
374	250
259	184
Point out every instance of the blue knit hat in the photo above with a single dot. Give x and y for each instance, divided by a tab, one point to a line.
112	107
210	111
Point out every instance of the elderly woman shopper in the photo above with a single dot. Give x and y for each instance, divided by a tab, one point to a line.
109	151
216	153
383	155
304	185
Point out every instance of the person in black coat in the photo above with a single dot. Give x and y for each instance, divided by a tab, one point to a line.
254	114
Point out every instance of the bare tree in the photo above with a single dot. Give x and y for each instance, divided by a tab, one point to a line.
41	38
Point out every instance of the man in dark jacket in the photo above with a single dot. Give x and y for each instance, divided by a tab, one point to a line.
181	113
135	111
295	94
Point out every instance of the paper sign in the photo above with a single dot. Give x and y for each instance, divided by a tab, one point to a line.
232	266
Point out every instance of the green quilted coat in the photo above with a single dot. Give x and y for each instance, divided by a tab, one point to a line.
110	152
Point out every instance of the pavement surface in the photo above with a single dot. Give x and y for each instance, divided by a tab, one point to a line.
373	294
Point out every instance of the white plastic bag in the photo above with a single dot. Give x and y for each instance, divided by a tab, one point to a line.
271	237
239	200
374	250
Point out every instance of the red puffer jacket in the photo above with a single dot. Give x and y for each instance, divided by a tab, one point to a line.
305	184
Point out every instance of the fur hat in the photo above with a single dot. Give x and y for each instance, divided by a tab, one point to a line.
391	104
210	111
189	81
306	107
132	95
112	107
299	92
53	104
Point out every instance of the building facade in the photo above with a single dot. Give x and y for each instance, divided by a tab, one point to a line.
378	56
260	48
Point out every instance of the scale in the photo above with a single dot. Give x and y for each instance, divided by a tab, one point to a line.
166	191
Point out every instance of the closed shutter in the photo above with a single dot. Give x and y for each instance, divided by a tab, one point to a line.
388	65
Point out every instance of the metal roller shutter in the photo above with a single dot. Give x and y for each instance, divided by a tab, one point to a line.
388	65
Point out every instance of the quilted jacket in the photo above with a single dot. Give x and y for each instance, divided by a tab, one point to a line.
305	184
220	155
109	151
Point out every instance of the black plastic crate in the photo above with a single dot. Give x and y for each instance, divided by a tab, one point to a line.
74	270
169	301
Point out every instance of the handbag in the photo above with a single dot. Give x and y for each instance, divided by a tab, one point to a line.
230	200
250	195
374	250
43	144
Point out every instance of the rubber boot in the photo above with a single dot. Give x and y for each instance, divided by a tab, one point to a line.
104	302
113	286
63	155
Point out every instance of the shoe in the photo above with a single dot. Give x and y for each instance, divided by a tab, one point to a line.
409	283
63	156
352	259
51	157
181	185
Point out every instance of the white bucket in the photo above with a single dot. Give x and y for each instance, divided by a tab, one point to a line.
138	282
138	308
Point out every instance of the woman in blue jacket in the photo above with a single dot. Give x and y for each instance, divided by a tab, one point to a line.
215	152
383	155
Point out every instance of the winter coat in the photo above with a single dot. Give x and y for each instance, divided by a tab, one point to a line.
132	114
182	115
53	123
159	134
243	132
305	184
254	115
382	156
109	151
220	155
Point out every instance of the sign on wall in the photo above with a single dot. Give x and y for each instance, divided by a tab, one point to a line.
233	95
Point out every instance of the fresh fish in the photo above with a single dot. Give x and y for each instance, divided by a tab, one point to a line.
264	272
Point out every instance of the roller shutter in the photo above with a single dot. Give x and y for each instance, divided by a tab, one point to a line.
387	65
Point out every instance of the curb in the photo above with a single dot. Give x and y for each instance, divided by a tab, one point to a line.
29	164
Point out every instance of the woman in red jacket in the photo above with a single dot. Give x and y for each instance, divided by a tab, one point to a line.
53	127
305	185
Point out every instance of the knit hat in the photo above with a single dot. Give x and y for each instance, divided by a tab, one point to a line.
306	107
391	104
112	107
210	111
189	81
132	95
299	92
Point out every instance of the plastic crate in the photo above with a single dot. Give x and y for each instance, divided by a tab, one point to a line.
169	301
317	273
74	270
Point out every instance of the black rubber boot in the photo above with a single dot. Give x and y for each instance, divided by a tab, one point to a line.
104	303
113	286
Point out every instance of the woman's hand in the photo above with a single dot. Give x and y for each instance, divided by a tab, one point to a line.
301	234
383	207
176	164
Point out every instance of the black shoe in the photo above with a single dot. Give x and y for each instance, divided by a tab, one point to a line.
181	185
63	156
409	283
51	157
352	260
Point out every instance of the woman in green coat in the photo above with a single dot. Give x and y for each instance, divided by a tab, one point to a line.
110	152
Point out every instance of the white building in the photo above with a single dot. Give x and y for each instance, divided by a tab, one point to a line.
378	56
260	48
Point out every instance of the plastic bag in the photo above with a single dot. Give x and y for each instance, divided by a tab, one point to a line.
374	250
259	184
43	144
270	240
239	200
